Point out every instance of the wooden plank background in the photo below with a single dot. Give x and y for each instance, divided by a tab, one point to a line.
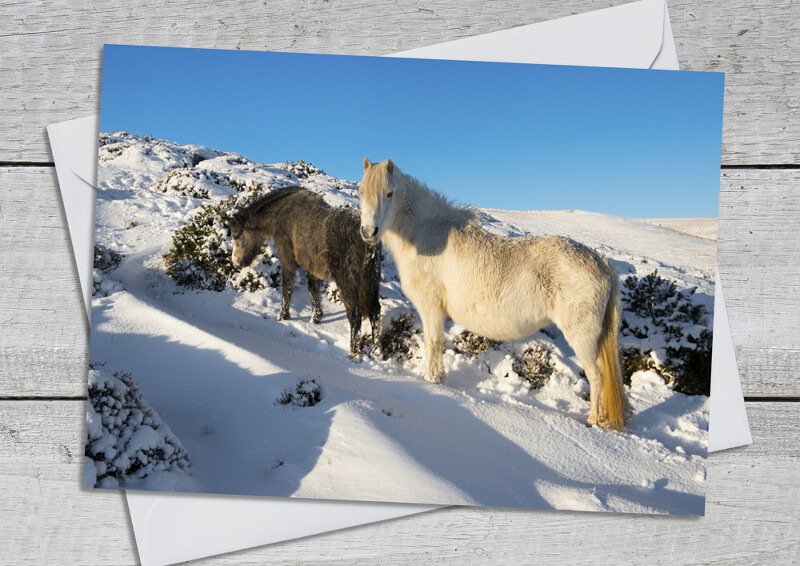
50	71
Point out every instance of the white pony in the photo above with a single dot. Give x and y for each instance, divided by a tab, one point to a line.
497	287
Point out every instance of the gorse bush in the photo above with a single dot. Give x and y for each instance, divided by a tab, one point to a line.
306	393
656	312
198	183
126	440
397	339
658	302
105	259
301	169
472	345
535	365
688	368
117	144
200	256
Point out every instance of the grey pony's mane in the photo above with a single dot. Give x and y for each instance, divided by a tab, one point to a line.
242	215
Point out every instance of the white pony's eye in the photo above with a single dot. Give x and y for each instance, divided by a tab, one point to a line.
389	194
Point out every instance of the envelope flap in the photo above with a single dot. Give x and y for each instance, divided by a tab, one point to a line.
77	139
627	36
729	426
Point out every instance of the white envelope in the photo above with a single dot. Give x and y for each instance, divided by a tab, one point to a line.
175	527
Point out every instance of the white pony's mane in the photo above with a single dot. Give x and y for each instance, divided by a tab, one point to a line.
423	202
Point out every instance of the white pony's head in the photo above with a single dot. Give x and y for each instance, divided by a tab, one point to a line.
380	198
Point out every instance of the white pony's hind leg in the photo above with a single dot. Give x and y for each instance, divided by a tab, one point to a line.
597	414
586	350
433	331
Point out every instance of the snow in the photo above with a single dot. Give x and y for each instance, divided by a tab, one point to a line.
218	366
700	227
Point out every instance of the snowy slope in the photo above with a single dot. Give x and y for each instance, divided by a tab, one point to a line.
216	367
700	227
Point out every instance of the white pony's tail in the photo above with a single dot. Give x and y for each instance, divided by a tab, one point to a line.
614	400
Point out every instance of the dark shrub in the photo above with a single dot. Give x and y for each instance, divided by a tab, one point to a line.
535	365
472	345
200	256
306	393
655	310
397	339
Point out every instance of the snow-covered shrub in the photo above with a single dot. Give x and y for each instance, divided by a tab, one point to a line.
306	393
109	151
112	146
659	306
202	183
635	359
535	365
472	345
102	286
688	368
105	259
301	169
126	440
397	339
673	333
200	256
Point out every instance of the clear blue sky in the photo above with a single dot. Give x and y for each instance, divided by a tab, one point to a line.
633	143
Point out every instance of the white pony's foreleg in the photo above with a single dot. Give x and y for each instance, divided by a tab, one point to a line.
433	330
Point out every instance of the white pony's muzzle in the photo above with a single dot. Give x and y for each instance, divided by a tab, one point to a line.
369	234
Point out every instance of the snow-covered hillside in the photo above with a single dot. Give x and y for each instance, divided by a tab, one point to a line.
277	408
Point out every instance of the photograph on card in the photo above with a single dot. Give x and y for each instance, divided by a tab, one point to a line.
403	280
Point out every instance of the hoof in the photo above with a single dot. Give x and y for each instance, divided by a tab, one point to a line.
435	378
316	317
284	316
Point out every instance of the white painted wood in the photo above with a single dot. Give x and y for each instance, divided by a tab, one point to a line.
44	330
751	515
44	348
50	51
759	262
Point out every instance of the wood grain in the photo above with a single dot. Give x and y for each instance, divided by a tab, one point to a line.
50	71
759	264
45	346
45	334
50	52
750	517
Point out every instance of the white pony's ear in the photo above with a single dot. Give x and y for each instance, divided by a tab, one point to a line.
389	166
367	164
